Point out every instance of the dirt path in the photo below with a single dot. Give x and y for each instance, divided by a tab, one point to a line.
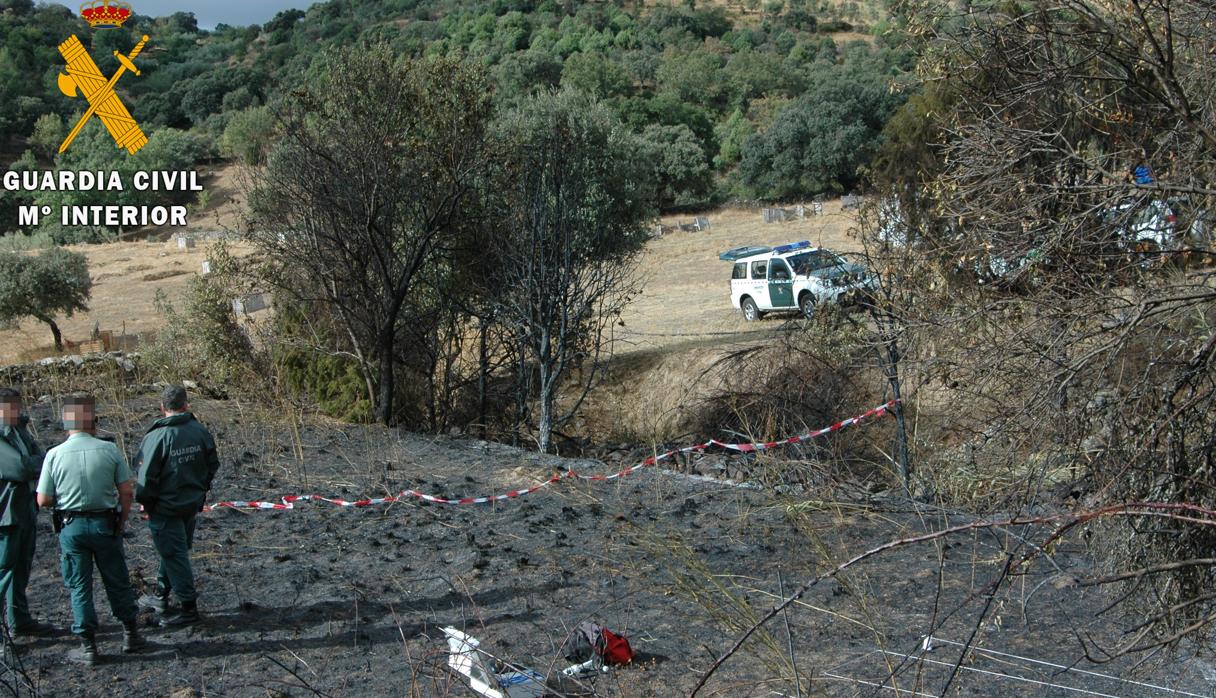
329	601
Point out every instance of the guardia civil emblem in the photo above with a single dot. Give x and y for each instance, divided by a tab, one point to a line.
84	78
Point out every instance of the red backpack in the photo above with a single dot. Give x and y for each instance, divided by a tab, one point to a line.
591	639
616	649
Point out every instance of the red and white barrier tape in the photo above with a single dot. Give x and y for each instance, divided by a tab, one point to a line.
288	502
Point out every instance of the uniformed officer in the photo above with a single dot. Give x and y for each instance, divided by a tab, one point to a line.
20	464
177	462
90	486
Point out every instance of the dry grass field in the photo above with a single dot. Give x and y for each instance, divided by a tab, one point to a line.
673	333
683	324
687	288
126	276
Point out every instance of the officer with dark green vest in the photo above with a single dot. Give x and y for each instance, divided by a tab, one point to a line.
88	483
20	464
177	462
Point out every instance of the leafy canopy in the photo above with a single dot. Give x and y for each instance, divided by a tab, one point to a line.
53	283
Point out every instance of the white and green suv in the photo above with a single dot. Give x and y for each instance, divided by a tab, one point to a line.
794	277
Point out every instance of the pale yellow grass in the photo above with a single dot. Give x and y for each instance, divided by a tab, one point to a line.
675	333
223	191
687	288
121	296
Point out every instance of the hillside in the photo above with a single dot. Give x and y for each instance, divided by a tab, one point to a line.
324	600
684	293
455	204
718	94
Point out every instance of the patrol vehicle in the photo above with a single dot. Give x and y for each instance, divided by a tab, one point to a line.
792	277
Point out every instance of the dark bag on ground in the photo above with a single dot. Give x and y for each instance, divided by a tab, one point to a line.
593	640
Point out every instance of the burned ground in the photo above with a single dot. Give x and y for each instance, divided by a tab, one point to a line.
332	601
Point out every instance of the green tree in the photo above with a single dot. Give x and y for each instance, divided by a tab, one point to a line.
281	25
668	110
750	74
595	74
203	96
373	179
732	134
818	143
93	150
249	135
57	282
48	134
578	197
695	76
681	171
11	201
521	73
911	149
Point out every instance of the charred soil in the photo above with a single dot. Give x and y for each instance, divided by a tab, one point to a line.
324	600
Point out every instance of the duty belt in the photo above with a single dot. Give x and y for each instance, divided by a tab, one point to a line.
63	517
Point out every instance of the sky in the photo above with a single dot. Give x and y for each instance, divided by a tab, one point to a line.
212	12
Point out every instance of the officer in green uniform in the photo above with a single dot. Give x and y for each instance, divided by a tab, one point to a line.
20	464
177	462
90	486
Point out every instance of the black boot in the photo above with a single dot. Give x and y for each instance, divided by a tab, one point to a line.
34	629
188	615
85	654
132	641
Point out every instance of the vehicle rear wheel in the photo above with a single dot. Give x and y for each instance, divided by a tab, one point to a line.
806	303
751	312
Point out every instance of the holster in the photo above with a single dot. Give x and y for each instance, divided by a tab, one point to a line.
58	520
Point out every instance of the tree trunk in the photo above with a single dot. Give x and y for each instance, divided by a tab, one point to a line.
483	368
544	366
544	420
887	348
55	331
901	428
384	408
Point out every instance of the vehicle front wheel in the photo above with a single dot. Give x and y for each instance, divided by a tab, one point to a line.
806	303
751	312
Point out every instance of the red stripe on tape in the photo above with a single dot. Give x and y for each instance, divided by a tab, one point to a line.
288	500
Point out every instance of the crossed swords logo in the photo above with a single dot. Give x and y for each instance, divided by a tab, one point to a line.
83	75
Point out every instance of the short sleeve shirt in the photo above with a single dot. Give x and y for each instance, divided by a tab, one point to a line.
83	474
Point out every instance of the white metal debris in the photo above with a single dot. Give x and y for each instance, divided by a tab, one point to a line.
464	658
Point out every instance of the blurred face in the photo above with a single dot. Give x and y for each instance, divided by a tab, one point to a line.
10	412
79	417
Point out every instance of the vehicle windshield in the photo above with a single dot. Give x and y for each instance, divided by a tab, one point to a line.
807	262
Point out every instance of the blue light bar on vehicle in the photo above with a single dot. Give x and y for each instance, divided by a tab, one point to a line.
790	247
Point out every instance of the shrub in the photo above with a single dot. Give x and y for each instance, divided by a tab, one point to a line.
204	342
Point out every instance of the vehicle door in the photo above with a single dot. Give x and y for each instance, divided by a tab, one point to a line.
739	283
780	284
759	284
